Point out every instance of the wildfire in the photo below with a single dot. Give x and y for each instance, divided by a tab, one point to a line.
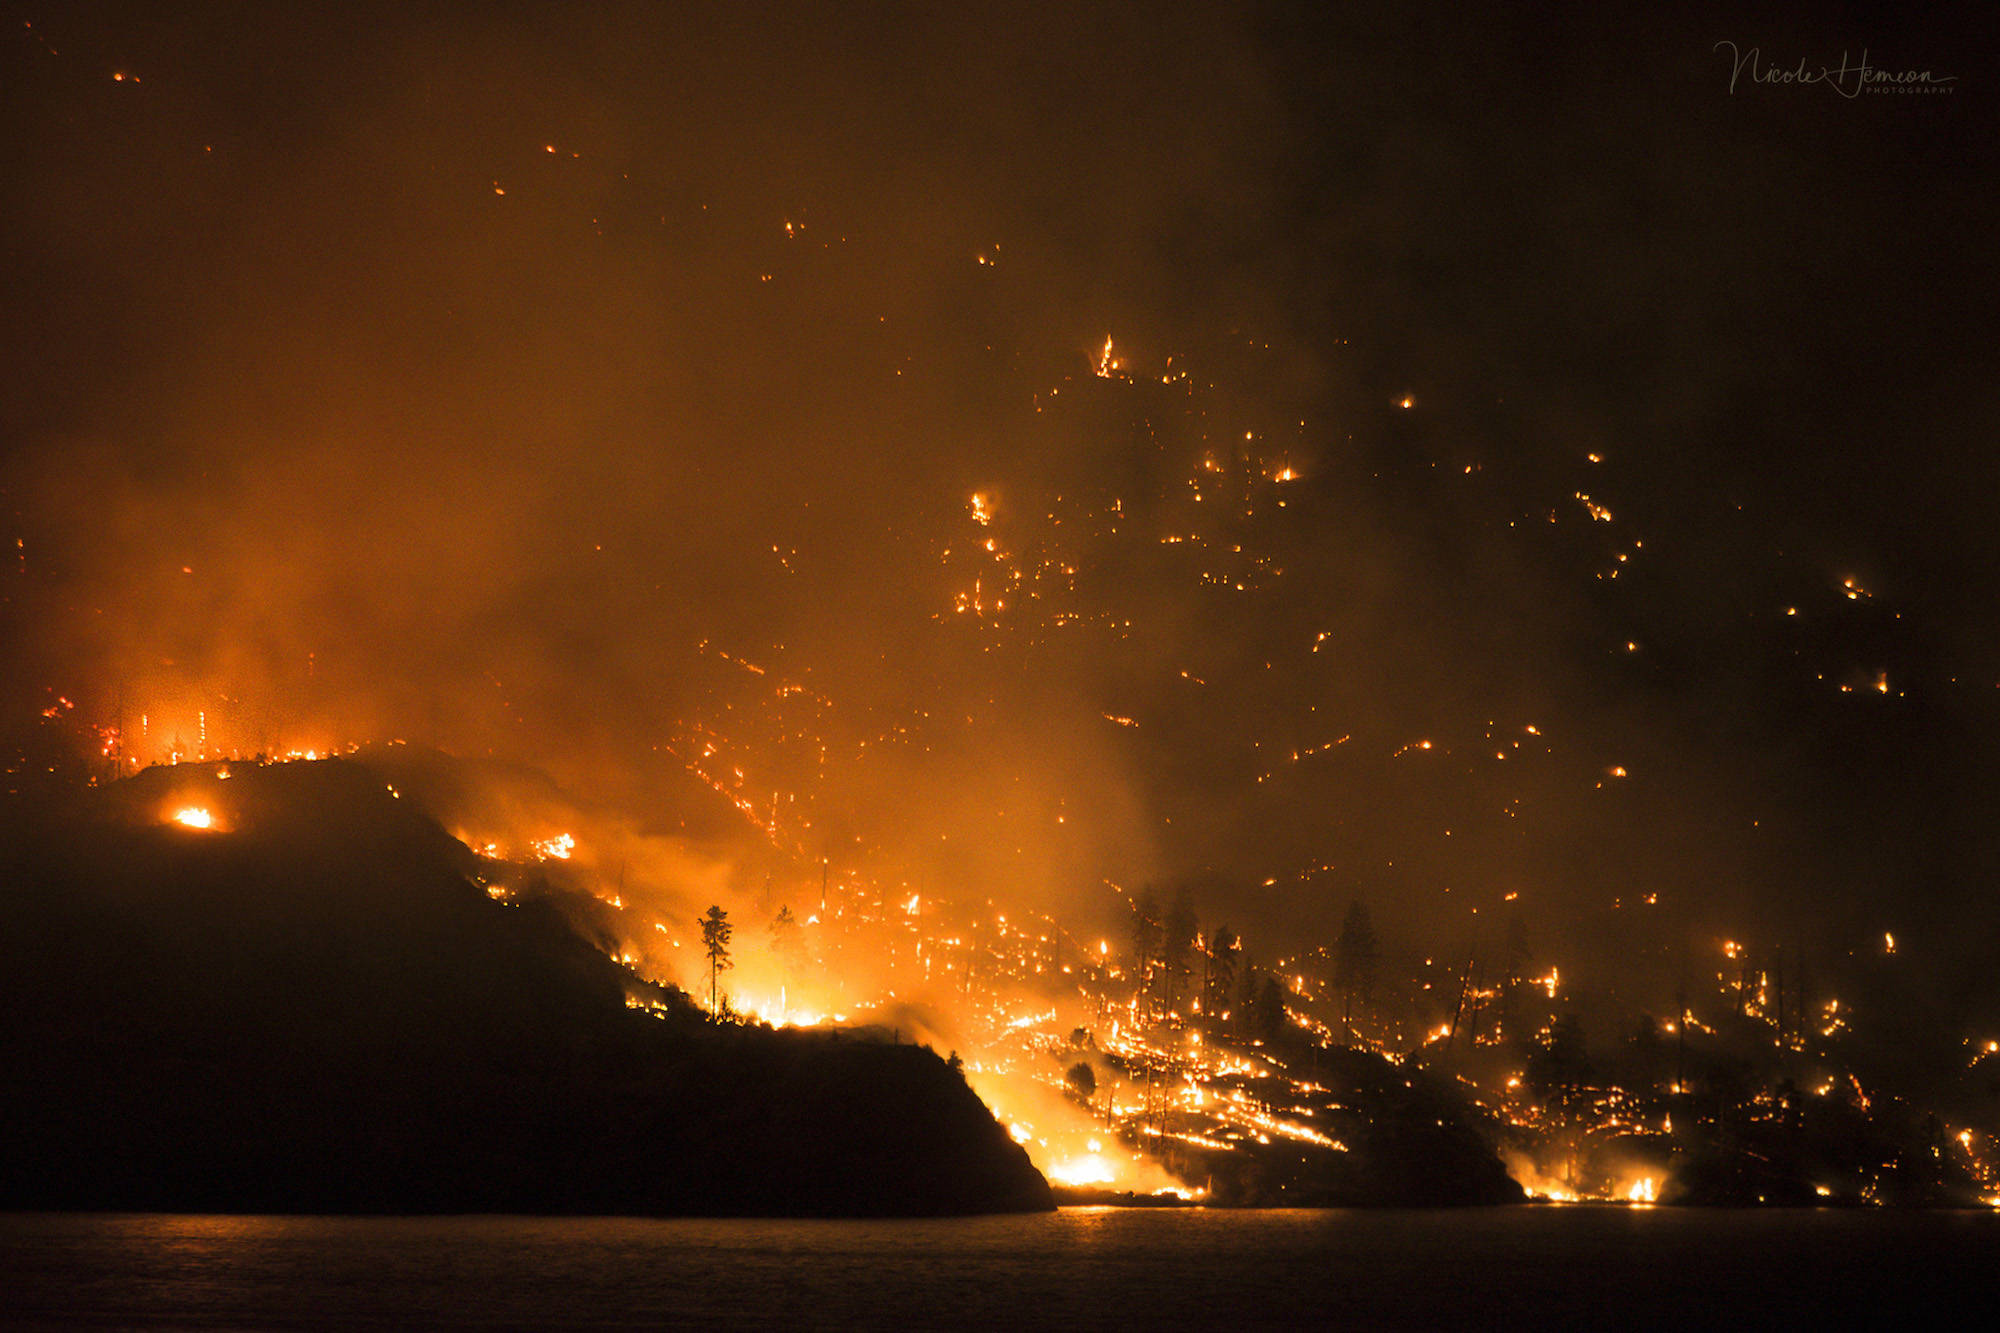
1092	1168
559	848
194	816
782	1014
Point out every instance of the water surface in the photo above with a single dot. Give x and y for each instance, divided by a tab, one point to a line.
1080	1268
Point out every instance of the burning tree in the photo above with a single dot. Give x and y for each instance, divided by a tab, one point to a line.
715	933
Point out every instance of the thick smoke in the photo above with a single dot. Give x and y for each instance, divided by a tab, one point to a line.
563	387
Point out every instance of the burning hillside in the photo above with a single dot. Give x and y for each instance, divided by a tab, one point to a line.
1169	1060
311	1003
1265	599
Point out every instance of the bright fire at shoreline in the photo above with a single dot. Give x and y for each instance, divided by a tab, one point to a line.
1112	1078
1090	1169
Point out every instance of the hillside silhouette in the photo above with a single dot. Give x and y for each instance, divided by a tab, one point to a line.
313	1005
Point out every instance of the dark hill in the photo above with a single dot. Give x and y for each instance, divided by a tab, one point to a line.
314	1006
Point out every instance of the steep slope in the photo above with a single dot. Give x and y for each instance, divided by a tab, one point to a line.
313	1005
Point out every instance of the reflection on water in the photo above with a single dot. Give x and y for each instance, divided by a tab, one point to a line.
1079	1268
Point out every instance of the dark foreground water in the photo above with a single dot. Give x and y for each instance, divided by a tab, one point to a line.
1081	1268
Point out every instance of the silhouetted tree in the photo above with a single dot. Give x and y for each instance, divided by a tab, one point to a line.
1267	1015
1355	957
1560	1067
1081	1080
1177	947
1224	953
785	943
1246	989
1146	937
1558	1071
1514	973
715	933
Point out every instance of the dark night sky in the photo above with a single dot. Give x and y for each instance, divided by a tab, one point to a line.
512	441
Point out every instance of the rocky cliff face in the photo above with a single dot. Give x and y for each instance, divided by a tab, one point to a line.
313	1006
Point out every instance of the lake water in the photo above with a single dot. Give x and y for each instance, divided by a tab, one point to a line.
1080	1268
